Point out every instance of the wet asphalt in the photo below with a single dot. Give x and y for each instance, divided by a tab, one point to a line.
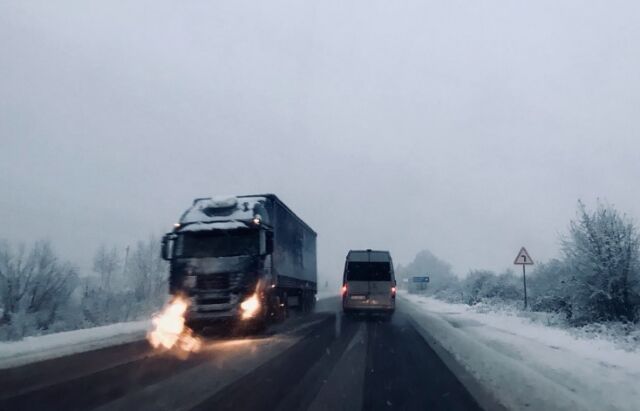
320	361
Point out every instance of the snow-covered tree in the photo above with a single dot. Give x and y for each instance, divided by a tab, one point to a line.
426	263
602	251
147	272
34	286
107	264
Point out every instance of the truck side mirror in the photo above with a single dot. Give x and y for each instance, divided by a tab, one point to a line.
165	250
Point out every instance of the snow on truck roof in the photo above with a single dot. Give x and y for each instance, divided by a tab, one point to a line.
237	208
230	209
222	225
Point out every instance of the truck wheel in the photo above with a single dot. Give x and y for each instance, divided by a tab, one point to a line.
305	304
309	302
312	302
258	325
196	327
281	309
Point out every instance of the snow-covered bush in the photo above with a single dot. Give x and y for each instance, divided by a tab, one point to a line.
549	287
602	252
481	285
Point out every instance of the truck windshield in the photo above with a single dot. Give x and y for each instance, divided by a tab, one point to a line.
218	243
368	271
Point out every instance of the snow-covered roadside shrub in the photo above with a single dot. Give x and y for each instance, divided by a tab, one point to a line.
602	252
483	286
624	335
549	288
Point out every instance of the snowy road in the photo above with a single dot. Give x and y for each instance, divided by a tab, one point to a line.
316	362
526	364
432	355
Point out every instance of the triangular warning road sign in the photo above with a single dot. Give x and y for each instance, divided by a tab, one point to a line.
523	258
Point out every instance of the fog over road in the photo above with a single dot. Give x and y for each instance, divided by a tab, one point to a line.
318	362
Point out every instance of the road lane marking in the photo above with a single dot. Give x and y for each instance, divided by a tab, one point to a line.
344	385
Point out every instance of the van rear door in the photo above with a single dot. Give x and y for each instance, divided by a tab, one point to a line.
357	281
370	281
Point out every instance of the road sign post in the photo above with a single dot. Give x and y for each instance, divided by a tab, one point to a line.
524	259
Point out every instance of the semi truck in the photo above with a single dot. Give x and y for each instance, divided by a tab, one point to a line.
244	259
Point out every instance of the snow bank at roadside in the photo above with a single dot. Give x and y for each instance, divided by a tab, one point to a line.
527	365
33	349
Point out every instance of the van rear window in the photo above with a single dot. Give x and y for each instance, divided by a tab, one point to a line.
368	271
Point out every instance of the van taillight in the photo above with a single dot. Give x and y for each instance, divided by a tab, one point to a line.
344	290
393	291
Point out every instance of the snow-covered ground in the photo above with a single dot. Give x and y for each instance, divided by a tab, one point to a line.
531	366
32	349
327	293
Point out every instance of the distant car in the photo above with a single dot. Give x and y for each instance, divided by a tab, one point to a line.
369	283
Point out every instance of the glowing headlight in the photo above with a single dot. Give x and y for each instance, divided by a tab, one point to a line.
250	306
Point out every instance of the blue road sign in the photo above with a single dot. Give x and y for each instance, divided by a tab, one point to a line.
424	279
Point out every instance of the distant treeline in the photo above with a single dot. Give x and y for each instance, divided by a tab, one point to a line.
40	293
596	279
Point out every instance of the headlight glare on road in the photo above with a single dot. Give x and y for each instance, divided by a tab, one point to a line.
250	306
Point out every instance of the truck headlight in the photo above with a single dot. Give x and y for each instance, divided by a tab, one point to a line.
189	281
250	306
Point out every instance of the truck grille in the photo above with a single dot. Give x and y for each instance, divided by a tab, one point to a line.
213	300
213	282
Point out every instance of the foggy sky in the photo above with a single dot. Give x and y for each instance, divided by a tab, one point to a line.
468	128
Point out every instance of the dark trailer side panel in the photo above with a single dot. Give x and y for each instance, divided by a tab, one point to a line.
294	247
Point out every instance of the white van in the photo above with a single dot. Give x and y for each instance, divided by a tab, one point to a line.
369	283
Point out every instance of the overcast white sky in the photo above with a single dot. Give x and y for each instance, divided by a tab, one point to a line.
468	128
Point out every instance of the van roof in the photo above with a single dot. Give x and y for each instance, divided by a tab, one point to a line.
369	255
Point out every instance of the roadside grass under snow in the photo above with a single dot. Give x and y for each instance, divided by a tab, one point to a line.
44	347
525	364
625	336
